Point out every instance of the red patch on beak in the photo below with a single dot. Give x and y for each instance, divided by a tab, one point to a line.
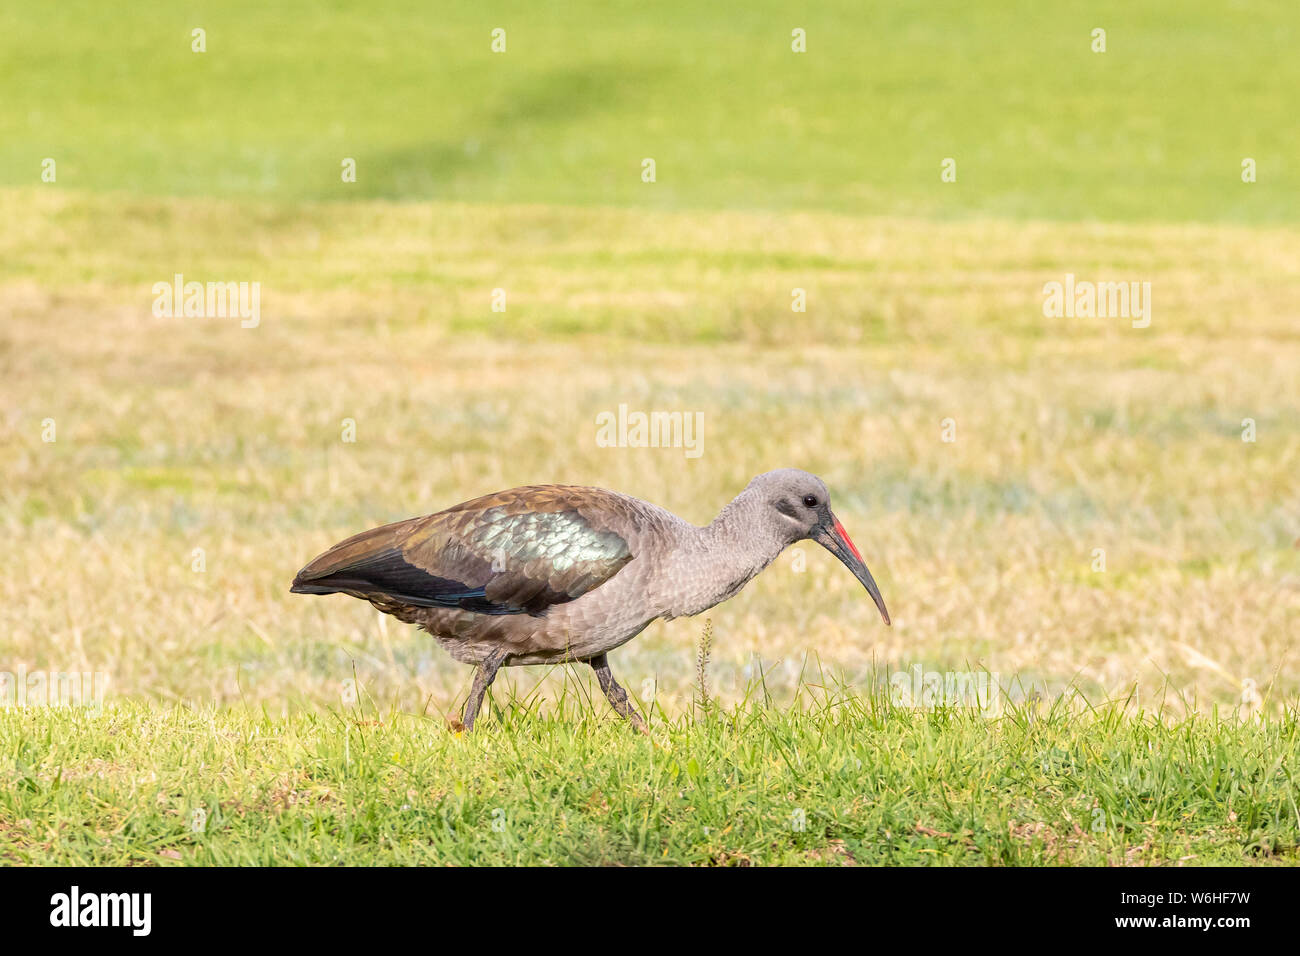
844	536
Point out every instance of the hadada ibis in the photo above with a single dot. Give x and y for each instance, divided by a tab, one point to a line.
562	573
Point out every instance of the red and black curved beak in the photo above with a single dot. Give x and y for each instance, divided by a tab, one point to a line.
831	535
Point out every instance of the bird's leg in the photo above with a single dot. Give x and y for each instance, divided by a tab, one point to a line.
483	676
616	694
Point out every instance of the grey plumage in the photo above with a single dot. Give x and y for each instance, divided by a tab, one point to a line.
555	573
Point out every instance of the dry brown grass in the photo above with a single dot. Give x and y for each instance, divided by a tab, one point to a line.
175	434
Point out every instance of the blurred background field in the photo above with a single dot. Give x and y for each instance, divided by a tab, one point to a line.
1040	125
775	171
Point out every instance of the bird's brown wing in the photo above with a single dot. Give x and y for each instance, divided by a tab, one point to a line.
516	552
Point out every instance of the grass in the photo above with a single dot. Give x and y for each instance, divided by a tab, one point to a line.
1071	435
839	781
1153	129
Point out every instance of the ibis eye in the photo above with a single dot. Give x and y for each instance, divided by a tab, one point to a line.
810	501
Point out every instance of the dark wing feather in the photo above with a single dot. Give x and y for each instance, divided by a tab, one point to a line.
517	552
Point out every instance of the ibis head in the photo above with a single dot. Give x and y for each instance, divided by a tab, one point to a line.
799	505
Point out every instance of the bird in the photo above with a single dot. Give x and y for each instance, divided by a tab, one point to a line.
545	574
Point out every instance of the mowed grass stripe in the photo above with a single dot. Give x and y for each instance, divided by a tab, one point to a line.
1041	126
842	782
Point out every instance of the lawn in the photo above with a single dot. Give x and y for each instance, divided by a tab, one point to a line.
845	781
1155	128
1100	513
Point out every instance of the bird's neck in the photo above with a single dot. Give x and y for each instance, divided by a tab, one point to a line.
713	562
